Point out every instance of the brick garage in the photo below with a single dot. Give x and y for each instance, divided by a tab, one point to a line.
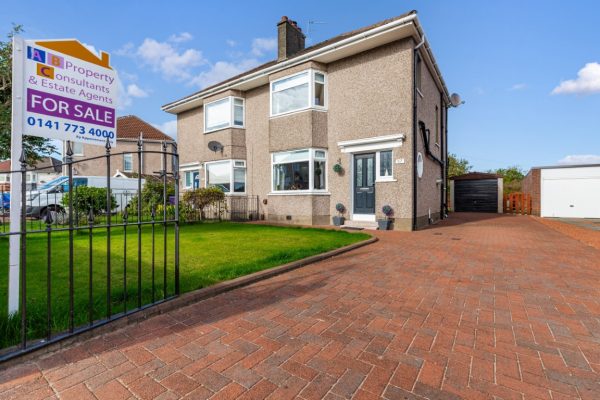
531	185
564	191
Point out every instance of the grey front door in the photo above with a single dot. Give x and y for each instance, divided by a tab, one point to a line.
364	183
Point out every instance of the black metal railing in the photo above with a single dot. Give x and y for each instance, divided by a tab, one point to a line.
89	252
232	208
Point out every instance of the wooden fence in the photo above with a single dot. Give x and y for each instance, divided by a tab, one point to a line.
517	203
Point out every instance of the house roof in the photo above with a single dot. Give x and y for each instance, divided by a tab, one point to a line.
471	176
567	166
46	164
313	53
130	127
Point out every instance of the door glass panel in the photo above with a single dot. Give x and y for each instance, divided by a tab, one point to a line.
370	171
359	173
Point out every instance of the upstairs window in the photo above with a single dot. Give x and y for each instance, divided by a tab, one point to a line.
128	162
298	92
224	113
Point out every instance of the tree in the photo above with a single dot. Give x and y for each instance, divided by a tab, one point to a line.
457	166
513	177
35	147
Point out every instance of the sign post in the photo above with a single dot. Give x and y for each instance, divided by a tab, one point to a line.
60	90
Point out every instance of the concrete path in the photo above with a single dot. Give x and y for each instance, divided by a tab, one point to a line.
479	306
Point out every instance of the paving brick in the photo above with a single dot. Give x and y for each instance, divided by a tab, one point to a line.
179	383
113	390
146	388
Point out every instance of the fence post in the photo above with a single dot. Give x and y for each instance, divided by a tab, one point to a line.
140	144
108	222
69	160
23	250
175	166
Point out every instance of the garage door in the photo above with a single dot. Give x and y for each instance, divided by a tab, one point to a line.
571	193
479	195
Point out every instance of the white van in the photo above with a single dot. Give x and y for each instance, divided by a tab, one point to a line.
49	196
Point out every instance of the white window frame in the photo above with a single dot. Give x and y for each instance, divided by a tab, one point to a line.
231	114
311	172
126	155
232	166
311	90
378	176
75	153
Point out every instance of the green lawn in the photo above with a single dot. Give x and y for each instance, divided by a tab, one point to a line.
209	253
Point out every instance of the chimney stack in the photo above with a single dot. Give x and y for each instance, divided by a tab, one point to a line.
290	38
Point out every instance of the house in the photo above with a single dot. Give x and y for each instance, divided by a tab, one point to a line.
46	169
129	130
567	191
359	119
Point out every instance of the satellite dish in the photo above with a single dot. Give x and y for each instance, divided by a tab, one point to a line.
215	146
455	100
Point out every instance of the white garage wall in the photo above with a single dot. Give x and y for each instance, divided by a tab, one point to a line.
570	192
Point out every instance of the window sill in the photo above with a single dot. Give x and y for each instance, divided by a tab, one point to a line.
386	180
226	127
299	193
320	109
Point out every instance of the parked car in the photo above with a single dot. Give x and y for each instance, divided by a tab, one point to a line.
48	197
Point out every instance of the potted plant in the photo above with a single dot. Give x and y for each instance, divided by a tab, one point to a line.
384	224
338	220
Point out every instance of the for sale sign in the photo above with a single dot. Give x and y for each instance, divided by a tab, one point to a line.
69	92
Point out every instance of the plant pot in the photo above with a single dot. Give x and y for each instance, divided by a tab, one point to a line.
338	221
384	224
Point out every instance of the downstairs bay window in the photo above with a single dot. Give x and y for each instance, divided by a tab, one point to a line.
227	175
299	171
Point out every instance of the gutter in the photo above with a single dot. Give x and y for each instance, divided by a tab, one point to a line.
298	60
414	135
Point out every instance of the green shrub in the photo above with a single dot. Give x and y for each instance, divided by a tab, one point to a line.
201	198
87	197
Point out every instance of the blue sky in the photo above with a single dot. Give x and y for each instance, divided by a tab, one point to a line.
528	71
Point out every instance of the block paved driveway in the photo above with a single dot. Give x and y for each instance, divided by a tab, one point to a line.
479	306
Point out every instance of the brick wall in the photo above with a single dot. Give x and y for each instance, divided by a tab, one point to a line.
532	186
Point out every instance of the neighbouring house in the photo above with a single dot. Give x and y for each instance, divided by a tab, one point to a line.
129	130
567	191
45	170
476	192
359	119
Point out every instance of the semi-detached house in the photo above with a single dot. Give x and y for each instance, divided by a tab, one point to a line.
359	119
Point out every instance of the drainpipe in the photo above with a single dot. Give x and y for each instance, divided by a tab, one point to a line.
445	132
443	156
415	136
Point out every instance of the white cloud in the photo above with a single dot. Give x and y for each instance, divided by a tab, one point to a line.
518	86
92	49
222	70
123	99
134	90
168	60
260	46
182	37
169	127
231	43
125	50
587	82
580	159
